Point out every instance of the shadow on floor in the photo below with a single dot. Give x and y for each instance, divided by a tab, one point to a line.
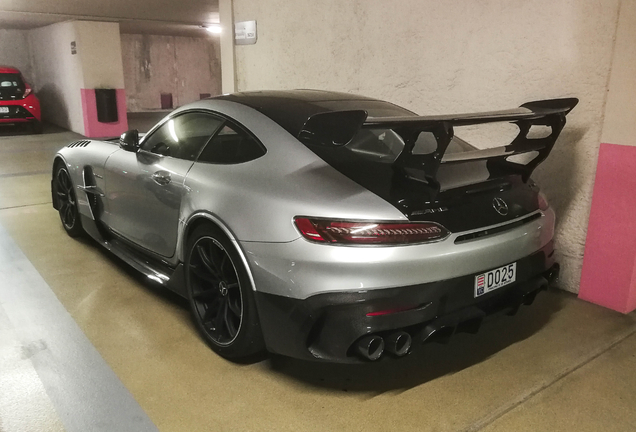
425	363
25	129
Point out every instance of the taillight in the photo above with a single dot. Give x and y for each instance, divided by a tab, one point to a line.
369	232
27	92
543	202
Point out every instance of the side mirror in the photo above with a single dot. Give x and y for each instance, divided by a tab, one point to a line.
129	140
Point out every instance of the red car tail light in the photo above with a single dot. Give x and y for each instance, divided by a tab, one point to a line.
369	232
27	92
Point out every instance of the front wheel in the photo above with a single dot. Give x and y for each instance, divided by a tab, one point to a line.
220	295
67	202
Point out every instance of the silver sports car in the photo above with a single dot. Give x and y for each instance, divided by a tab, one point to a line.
322	225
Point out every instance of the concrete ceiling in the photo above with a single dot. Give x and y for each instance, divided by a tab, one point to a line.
170	17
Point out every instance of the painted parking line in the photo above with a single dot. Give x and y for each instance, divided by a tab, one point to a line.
22	174
85	392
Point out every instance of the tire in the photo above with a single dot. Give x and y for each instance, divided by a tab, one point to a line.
67	202
220	295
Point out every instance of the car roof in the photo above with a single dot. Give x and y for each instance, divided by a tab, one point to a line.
8	69
306	96
292	108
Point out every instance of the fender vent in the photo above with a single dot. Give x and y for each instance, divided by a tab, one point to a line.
82	143
92	193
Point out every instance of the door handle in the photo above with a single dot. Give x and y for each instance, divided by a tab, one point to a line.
162	178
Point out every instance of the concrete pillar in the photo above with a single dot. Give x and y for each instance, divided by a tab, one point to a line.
228	75
58	75
71	60
99	50
609	265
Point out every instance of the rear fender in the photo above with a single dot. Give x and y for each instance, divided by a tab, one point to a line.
186	228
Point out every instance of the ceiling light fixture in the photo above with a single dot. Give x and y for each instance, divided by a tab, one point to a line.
213	28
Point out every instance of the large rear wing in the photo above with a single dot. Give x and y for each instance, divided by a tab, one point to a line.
338	128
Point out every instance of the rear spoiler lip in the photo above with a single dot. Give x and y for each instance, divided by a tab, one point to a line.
529	111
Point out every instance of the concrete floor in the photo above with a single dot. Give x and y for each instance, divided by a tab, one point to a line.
559	365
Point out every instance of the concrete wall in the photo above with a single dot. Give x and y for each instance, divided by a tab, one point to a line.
228	74
58	77
453	56
619	125
145	66
99	49
184	67
609	268
14	51
64	81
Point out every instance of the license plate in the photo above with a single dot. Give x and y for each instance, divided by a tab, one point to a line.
493	279
4	110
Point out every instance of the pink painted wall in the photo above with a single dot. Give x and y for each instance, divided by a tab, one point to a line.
609	263
95	129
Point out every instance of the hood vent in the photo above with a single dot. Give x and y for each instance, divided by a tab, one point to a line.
82	143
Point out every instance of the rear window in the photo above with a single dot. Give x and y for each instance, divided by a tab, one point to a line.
385	145
11	86
374	108
11	81
381	144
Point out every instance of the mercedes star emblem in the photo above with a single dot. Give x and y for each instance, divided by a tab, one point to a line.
500	206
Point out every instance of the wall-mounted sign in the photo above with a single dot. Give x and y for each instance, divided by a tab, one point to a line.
73	48
245	33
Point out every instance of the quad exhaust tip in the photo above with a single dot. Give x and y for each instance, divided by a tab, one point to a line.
398	343
438	333
370	347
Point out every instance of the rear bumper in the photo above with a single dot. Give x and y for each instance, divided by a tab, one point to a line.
301	269
327	326
21	111
18	120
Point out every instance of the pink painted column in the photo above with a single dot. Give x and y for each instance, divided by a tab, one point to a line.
92	127
609	264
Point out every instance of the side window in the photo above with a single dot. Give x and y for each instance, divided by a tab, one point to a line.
183	136
231	146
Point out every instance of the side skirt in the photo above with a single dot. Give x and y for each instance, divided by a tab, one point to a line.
172	278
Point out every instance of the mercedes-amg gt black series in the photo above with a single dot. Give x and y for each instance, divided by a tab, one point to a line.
322	225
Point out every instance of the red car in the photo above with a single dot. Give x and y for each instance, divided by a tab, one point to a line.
18	104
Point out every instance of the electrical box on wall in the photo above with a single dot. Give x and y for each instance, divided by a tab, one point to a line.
245	33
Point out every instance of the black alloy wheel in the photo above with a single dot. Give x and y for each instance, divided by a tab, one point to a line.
221	302
67	202
215	290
